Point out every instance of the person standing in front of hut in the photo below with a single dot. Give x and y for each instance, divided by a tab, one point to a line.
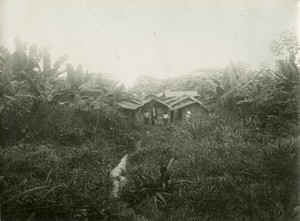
146	118
166	118
188	117
153	116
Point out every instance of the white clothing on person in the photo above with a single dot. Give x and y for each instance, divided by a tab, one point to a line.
188	116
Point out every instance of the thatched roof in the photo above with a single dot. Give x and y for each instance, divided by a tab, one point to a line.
157	100
130	105
169	93
190	100
173	100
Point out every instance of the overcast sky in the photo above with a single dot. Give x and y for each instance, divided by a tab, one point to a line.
159	38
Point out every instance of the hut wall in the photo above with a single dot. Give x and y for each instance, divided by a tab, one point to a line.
177	115
159	111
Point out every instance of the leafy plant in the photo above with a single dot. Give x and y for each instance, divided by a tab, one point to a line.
155	189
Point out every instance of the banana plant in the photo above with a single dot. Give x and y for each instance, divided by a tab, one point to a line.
157	188
53	71
6	85
77	81
22	74
232	79
75	77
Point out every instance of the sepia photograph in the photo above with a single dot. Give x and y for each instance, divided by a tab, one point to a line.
149	110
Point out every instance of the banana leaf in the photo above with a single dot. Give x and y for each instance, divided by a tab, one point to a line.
46	62
160	197
70	75
79	75
6	72
26	192
58	64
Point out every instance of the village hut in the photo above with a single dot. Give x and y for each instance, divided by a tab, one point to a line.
174	103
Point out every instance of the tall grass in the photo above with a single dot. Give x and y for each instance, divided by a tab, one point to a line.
233	172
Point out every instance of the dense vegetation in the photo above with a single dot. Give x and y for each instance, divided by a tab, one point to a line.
62	132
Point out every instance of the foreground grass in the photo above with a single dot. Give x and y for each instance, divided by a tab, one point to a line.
76	179
230	173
